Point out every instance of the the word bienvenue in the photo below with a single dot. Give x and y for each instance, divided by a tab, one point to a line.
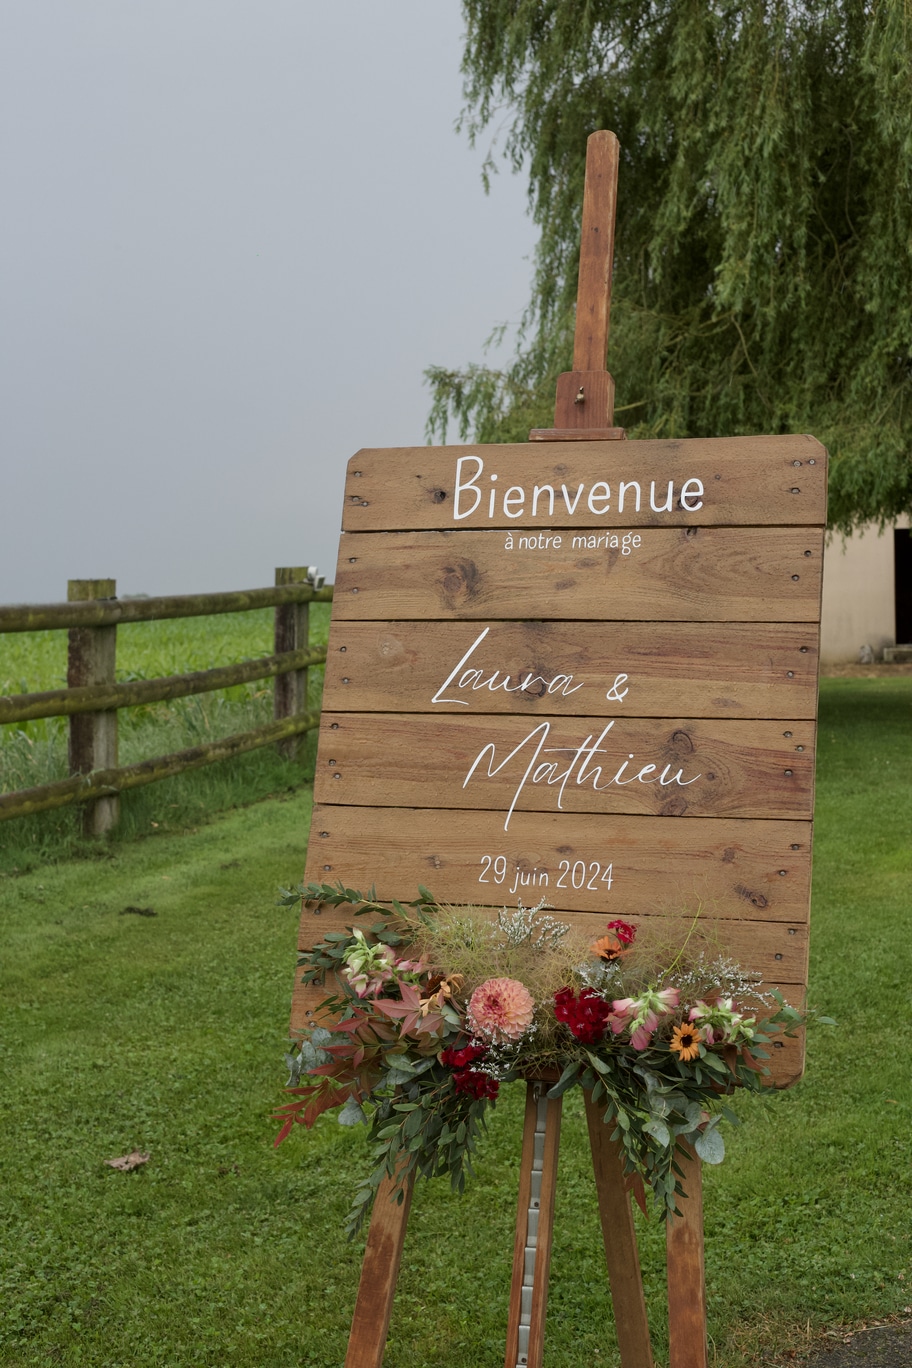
516	501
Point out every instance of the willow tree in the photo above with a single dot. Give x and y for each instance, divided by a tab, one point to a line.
763	270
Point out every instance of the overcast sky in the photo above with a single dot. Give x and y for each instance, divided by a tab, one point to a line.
235	233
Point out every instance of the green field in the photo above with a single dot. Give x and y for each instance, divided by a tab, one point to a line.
165	1033
36	752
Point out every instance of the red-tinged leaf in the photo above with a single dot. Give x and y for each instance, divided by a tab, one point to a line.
392	1008
749	1060
358	1058
127	1162
324	1104
284	1132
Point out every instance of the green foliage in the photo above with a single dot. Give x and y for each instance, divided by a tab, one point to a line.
763	268
403	1053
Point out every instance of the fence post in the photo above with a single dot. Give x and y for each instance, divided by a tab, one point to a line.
91	659
292	625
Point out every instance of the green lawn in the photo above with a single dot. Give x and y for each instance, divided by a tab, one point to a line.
165	1033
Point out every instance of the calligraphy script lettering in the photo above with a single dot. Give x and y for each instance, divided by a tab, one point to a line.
580	769
517	502
476	678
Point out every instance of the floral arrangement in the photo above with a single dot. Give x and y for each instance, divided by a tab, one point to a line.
430	1008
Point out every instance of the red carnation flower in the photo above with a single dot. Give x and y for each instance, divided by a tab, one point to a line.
462	1059
625	933
585	1016
478	1085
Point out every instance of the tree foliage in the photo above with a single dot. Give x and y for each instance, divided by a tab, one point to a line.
763	268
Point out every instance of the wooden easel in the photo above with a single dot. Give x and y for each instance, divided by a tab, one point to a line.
584	411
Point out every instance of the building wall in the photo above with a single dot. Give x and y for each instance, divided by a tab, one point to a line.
859	607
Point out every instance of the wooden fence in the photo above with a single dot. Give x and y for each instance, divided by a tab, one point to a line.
92	697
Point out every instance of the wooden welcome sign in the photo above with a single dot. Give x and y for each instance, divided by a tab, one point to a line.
584	671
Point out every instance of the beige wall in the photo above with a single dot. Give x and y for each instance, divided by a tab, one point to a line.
858	594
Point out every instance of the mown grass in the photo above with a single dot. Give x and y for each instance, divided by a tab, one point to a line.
165	1033
35	752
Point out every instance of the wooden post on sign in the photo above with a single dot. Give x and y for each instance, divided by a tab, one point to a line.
379	1275
584	405
687	1347
91	659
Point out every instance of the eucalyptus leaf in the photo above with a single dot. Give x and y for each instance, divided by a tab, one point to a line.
693	1113
566	1080
659	1131
710	1146
352	1114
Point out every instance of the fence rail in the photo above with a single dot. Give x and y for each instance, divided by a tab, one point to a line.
110	611
93	698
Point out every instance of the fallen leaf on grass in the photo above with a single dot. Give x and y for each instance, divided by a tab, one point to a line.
127	1162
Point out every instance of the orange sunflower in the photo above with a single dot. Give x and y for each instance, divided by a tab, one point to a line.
685	1041
608	948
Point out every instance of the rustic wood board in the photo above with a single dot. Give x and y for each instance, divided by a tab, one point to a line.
695	574
763	670
666	767
738	481
621	604
737	869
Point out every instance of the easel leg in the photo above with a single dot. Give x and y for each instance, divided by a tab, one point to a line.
379	1272
621	1253
534	1229
686	1271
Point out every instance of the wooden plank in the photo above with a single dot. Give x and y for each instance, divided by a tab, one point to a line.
95	697
379	1274
621	866
612	434
593	294
34	617
667	767
82	788
705	574
687	1347
619	1238
741	481
763	670
777	950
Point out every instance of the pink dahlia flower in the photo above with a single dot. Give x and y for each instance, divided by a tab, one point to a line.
501	1009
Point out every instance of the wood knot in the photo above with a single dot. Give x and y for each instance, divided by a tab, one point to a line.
459	583
748	894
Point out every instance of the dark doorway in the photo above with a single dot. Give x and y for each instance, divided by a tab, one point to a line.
902	570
